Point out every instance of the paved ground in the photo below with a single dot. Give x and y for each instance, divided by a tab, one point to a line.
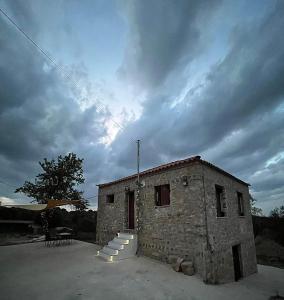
33	271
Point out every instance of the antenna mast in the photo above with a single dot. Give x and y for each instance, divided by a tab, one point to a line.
138	194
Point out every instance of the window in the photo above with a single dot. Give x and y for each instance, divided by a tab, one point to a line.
110	198
220	201
162	195
240	204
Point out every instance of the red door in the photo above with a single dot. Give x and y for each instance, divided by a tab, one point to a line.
131	210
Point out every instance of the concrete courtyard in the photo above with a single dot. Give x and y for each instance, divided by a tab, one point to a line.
33	271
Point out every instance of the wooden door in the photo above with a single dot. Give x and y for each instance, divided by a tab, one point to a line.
131	210
237	262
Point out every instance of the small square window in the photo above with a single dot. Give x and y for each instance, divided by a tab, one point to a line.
162	195
110	198
220	201
240	204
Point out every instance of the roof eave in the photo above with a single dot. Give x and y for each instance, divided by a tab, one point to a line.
172	166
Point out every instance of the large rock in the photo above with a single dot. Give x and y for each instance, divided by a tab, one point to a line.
187	268
186	264
177	265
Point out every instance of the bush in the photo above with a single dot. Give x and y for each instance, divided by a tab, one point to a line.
270	227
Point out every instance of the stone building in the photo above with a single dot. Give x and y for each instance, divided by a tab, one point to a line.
187	208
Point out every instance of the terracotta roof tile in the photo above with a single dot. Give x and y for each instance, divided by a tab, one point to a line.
170	165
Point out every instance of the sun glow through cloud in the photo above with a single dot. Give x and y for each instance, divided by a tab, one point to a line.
160	71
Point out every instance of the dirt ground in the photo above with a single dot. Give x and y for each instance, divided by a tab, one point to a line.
15	238
7	239
269	252
33	271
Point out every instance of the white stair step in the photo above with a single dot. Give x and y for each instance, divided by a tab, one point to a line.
121	241
115	246
126	236
109	250
121	247
105	256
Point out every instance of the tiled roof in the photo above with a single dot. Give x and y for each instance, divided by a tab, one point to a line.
174	164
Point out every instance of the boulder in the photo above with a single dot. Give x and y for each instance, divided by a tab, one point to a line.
177	265
186	264
187	268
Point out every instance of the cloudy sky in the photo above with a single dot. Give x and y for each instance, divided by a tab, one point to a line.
185	77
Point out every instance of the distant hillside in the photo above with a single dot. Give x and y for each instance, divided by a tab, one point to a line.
83	223
269	240
271	227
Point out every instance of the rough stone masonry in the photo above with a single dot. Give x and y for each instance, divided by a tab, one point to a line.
188	208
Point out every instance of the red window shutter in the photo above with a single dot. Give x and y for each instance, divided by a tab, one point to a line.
158	195
165	194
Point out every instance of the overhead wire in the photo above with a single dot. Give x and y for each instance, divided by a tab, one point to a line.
8	184
54	63
57	66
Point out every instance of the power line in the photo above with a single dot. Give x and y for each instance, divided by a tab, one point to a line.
63	71
26	36
53	62
91	197
3	182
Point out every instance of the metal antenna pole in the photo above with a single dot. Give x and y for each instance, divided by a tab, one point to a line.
138	194
138	163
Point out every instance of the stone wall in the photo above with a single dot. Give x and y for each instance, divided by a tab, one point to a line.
225	232
177	229
112	217
181	228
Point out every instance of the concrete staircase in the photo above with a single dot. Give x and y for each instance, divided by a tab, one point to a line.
121	247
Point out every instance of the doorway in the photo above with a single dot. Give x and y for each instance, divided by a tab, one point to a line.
131	210
237	262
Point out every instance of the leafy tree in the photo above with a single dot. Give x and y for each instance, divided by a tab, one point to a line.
58	180
255	211
277	212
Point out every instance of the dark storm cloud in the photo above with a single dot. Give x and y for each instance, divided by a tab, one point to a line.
240	99
262	139
164	35
271	177
233	116
39	114
268	185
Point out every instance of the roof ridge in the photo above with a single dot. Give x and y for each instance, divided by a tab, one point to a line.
191	159
157	168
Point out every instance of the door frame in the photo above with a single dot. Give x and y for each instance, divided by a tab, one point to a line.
237	262
132	193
